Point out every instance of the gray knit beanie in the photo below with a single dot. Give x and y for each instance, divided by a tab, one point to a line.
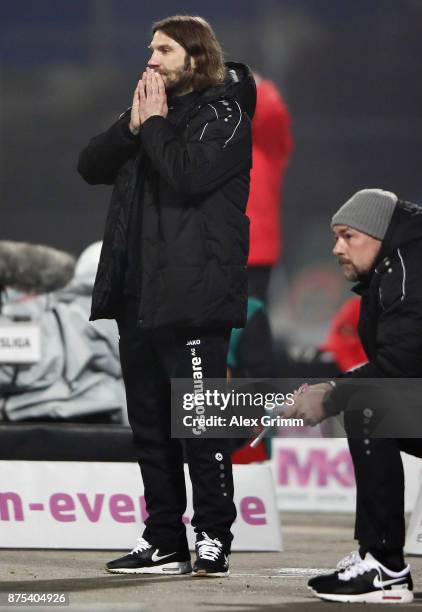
368	211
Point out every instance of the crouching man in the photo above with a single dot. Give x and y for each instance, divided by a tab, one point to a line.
378	244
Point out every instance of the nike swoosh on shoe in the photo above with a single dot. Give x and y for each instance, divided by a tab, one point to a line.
155	557
380	584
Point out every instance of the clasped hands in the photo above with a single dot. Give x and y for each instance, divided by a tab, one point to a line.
308	404
149	99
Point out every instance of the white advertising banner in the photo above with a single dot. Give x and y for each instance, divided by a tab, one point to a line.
317	474
60	504
413	544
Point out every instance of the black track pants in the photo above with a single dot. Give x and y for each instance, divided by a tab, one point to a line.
149	360
380	488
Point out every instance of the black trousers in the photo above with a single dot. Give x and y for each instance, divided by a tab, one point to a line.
149	360
379	476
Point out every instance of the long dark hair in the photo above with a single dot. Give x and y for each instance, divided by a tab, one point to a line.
197	37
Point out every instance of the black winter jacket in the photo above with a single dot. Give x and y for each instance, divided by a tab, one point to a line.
390	325
191	183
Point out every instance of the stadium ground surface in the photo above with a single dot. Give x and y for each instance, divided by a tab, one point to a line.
258	581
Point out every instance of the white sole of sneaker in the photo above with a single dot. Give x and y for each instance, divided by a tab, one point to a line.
395	596
205	574
168	569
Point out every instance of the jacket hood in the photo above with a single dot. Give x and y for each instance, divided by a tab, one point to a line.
239	84
405	227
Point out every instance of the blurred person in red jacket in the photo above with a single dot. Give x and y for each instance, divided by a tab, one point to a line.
343	340
272	146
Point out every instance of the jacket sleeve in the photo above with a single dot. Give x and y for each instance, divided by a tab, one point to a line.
216	150
398	337
100	161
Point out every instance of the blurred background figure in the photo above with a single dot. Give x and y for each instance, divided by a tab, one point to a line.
251	351
341	350
343	342
251	355
272	146
78	377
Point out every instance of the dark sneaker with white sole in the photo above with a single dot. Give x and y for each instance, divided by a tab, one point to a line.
147	559
211	561
366	581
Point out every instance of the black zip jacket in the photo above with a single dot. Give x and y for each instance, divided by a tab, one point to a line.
390	325
191	184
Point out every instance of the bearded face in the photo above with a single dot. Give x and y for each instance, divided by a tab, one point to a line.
172	62
356	251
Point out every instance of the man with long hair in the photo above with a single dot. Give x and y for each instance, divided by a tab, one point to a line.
173	274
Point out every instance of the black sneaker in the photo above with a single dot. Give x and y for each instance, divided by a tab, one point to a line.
343	564
146	559
211	562
366	581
